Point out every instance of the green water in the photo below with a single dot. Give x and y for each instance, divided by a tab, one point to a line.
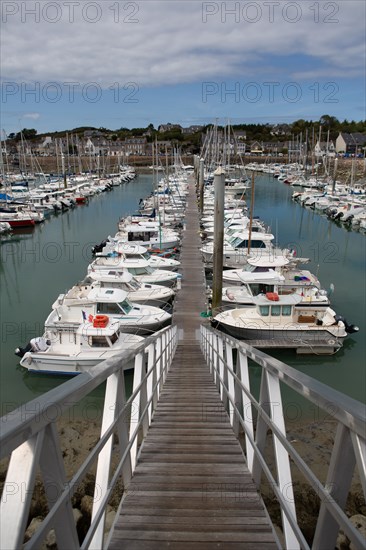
37	266
337	256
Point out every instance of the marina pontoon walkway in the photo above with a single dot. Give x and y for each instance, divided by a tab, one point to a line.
191	487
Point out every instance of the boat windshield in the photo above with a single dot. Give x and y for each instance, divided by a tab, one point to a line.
140	270
125	306
133	285
98	342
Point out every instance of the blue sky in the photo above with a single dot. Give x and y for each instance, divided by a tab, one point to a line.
126	64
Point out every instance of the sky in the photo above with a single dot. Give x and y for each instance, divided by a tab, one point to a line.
114	64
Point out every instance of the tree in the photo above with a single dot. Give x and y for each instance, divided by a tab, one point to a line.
27	134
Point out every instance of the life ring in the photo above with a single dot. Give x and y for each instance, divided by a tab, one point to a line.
100	321
273	296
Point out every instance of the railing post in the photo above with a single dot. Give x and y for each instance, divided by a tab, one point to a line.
151	380
339	478
114	402
222	370
271	402
54	476
229	380
138	374
158	368
14	503
247	406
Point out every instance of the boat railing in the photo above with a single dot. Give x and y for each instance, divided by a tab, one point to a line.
260	419
30	438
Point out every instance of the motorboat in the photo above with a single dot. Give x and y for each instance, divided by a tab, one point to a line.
81	301
140	293
283	321
140	269
73	350
115	247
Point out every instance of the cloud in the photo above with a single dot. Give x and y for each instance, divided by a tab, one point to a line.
170	42
33	116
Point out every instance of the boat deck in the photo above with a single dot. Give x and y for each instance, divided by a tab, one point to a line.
191	488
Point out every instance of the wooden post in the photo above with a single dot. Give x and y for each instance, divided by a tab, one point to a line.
201	182
251	213
219	185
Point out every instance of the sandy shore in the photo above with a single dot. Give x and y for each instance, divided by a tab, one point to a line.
312	440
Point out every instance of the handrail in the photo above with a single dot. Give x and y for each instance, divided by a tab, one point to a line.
29	433
349	449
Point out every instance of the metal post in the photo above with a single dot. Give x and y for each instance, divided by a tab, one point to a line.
251	213
219	184
201	184
334	175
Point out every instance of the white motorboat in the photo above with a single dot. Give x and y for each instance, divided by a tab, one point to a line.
285	282
140	293
236	247
73	350
148	233
84	300
282	320
140	269
136	252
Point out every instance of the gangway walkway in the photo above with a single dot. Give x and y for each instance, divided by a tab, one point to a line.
191	487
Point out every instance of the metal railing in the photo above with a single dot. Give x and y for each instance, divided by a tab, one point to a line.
32	440
227	359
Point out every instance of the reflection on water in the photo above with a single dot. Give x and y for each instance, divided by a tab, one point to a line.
36	267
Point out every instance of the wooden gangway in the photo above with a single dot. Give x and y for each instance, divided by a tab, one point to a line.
191	487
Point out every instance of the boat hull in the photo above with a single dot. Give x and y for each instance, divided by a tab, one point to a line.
289	334
62	365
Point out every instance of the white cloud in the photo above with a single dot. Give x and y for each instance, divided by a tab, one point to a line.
33	116
170	43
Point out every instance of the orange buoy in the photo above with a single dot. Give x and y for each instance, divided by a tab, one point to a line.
100	321
273	296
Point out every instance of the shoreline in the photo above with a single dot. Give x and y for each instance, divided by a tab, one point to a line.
312	440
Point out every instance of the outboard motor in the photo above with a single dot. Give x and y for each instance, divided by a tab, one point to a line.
350	329
99	247
20	352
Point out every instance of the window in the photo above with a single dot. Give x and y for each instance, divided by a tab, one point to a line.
113	338
108	308
276	311
264	311
125	306
98	342
286	310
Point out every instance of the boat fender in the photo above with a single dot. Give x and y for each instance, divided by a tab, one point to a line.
100	321
230	295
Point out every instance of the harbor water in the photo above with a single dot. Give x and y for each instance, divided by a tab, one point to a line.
37	266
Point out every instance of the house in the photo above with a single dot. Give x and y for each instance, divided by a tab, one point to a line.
256	148
90	148
168	127
135	145
192	129
350	143
281	130
323	148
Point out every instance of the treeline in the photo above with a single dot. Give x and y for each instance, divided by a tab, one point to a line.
254	132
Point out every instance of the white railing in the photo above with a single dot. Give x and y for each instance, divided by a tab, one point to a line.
228	362
30	436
